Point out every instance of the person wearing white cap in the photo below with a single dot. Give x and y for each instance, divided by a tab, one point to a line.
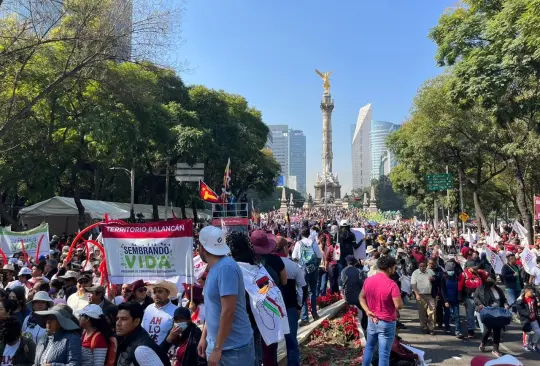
158	317
96	336
24	275
227	335
30	328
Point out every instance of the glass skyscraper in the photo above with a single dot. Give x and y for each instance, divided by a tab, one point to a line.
379	151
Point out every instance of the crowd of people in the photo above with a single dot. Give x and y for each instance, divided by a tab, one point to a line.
54	312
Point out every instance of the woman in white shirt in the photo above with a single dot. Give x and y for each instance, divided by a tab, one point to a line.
30	328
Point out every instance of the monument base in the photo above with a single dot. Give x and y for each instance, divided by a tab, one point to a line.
332	190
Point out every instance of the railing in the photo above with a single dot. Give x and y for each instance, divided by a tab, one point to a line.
239	209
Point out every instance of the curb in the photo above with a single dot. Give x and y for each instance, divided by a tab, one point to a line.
304	333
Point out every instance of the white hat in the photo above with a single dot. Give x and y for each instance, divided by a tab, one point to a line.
25	271
70	274
213	241
370	249
344	223
91	311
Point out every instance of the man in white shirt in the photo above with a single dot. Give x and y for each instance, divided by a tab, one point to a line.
79	300
535	274
158	317
421	280
307	253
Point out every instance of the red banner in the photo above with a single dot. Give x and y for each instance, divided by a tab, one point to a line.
537	207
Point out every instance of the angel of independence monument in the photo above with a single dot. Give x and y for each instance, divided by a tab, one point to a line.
327	187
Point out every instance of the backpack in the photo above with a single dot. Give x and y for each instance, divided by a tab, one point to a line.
308	258
473	282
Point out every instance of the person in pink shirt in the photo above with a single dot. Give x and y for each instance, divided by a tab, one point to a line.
381	300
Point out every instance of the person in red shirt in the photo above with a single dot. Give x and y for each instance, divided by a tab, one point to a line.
381	300
419	254
468	282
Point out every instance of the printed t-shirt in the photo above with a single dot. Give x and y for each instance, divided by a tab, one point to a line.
380	291
9	352
225	278
159	321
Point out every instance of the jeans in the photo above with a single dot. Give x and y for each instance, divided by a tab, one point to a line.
384	333
244	355
333	276
452	312
311	280
293	350
257	345
322	283
340	267
469	307
511	297
496	336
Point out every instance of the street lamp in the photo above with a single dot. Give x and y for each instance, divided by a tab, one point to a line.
132	179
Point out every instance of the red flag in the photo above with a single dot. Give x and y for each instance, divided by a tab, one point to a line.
207	194
106	217
25	256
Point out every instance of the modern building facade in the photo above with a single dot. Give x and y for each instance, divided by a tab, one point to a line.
289	149
361	150
379	151
297	160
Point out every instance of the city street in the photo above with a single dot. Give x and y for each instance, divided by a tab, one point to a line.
447	350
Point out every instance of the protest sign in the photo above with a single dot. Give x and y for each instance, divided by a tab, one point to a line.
33	240
359	233
528	259
153	251
495	260
199	267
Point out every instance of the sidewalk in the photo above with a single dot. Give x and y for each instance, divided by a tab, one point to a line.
305	332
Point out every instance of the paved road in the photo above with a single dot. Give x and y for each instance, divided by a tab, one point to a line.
447	350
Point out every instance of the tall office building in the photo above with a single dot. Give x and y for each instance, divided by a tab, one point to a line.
379	151
289	149
297	160
280	147
361	156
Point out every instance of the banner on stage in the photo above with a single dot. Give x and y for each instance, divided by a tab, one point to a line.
32	239
152	251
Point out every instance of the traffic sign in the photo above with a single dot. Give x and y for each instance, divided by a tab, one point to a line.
463	216
439	182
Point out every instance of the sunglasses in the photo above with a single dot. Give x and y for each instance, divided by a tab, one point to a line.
142	289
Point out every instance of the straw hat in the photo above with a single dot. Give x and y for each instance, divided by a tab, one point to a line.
167	285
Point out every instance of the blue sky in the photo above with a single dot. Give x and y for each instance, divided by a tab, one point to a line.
267	51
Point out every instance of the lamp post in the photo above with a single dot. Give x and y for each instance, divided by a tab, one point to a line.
131	174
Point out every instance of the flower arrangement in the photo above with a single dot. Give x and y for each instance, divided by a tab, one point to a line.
335	342
328	299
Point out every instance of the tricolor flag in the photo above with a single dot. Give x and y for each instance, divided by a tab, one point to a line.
207	194
227	175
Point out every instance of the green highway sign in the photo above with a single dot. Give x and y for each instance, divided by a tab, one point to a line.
439	182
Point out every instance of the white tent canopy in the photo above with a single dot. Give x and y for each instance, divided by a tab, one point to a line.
62	215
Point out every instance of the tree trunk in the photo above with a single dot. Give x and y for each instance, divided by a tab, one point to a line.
194	208
6	217
97	184
480	217
522	201
153	199
77	197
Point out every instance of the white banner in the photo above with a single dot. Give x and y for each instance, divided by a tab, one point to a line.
493	238
522	233
528	259
152	252
32	239
359	233
266	301
199	267
495	260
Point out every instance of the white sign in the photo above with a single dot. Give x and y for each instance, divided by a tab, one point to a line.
359	233
199	267
495	260
151	252
528	259
12	241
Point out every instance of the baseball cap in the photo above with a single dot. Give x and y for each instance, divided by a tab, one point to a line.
70	274
212	240
92	311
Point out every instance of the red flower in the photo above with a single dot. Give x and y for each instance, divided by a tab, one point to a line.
325	324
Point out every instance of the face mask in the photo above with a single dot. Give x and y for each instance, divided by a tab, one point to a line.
450	273
182	326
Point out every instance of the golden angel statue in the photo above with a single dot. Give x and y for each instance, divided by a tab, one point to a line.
326	79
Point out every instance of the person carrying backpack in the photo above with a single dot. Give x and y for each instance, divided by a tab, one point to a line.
308	255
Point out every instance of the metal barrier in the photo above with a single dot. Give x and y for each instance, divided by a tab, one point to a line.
239	209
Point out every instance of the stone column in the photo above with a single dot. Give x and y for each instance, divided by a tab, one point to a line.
327	106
